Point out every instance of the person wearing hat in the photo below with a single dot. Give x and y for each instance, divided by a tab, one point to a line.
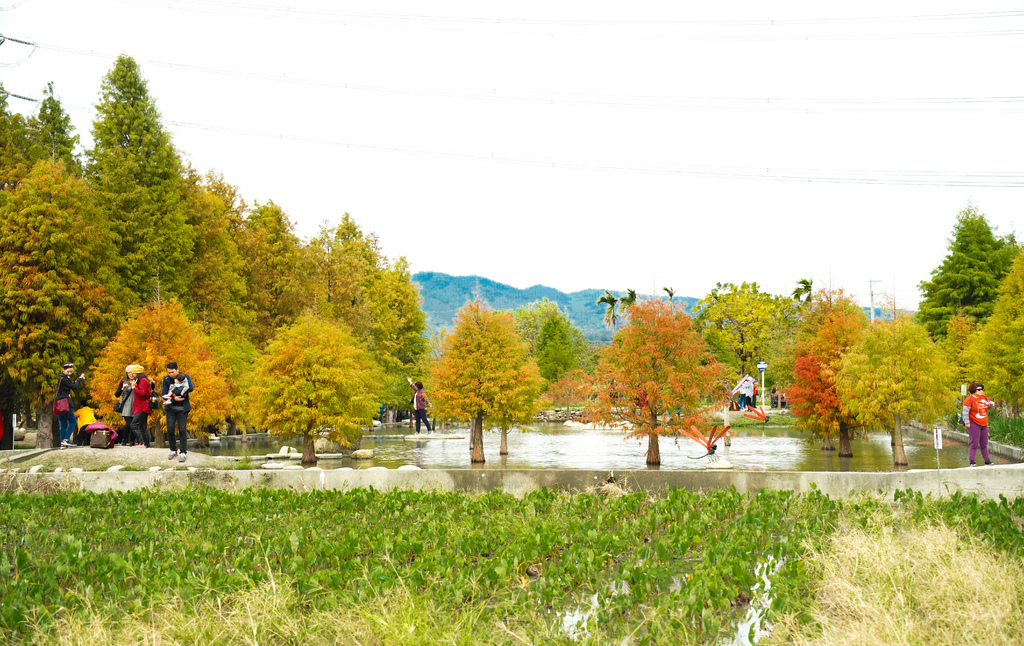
65	385
126	398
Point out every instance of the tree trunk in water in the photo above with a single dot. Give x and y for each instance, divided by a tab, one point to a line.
845	448
899	457
478	439
653	450
827	444
308	450
48	431
504	441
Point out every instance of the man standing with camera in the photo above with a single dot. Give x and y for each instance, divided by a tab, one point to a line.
175	390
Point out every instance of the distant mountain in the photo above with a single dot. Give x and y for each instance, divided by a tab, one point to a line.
444	295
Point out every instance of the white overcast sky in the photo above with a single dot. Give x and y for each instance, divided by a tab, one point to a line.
579	145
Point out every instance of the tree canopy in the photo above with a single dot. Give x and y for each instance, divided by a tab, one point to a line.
658	376
967	280
485	372
998	351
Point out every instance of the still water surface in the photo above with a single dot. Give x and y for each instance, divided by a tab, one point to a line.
552	446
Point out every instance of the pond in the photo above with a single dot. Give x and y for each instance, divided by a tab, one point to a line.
553	446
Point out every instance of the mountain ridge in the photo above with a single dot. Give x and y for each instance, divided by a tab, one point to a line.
444	294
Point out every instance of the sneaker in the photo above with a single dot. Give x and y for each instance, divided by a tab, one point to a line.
972	464
181	458
988	463
142	446
173	455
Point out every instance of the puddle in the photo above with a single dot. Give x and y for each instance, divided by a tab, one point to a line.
752	628
575	622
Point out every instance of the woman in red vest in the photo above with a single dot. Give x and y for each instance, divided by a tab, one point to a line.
975	417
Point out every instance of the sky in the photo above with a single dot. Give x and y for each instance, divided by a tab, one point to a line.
576	144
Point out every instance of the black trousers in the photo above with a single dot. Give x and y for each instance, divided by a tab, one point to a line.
421	415
177	418
140	432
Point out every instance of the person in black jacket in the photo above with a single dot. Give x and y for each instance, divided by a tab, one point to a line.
68	423
176	408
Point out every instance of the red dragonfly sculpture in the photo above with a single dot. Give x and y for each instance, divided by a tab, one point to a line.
709	441
758	414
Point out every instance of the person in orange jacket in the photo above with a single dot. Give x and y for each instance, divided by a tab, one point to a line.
975	418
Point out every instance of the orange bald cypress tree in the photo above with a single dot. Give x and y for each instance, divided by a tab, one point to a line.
831	324
485	372
157	334
658	375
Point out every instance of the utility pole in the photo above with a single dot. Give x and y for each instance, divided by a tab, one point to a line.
871	290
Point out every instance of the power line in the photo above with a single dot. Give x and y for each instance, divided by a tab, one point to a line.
660	102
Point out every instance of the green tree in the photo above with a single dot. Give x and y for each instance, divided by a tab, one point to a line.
217	290
968	279
55	305
894	374
276	270
750	323
15	147
803	290
998	350
135	172
956	348
316	381
485	372
54	134
658	376
556	353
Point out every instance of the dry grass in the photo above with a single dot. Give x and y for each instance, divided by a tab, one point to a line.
922	586
272	614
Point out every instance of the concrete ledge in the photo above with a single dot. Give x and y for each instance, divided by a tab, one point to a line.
987	482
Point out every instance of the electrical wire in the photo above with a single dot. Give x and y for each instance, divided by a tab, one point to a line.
1005	104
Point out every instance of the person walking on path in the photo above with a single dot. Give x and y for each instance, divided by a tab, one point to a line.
126	398
140	407
175	389
420	403
63	406
975	418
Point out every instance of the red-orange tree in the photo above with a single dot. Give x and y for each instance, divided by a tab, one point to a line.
158	333
658	375
831	324
485	371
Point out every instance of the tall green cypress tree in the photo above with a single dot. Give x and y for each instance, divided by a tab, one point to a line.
968	279
55	305
137	176
15	147
53	133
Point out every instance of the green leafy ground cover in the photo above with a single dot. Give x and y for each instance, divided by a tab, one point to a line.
679	567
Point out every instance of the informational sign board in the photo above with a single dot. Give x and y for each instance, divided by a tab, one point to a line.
762	365
963	390
938	438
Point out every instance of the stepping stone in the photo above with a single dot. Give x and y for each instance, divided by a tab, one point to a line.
293	467
344	469
192	469
59	470
721	464
272	465
362	454
314	469
376	469
116	467
154	469
77	470
409	467
35	468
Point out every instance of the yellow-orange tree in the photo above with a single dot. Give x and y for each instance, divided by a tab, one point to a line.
831	324
895	373
485	372
658	375
156	334
313	381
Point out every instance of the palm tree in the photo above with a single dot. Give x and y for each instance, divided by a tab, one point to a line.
627	301
803	290
671	292
611	319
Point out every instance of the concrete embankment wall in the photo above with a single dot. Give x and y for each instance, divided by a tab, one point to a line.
989	482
